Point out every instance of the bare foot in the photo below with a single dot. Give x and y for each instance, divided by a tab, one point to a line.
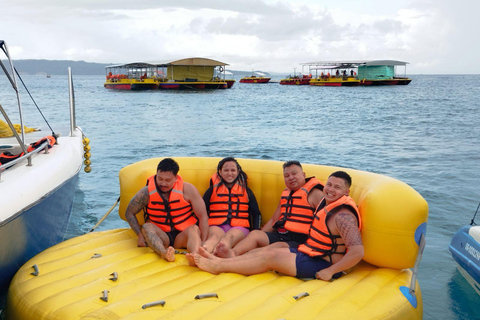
204	253
205	264
190	259
223	251
170	254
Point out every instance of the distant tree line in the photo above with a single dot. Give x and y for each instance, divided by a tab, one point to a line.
60	67
56	67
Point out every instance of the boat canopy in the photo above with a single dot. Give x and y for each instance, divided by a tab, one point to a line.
188	69
197	62
355	63
133	65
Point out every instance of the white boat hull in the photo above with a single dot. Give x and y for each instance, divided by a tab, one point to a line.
37	202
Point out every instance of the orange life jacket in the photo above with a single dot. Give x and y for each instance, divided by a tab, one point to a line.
7	156
174	214
228	205
51	141
320	241
296	213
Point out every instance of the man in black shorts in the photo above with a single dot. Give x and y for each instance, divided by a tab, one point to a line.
334	242
292	219
175	214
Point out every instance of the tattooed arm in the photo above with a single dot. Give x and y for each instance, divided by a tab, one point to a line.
138	202
345	223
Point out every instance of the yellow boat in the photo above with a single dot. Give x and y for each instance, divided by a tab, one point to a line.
335	81
104	275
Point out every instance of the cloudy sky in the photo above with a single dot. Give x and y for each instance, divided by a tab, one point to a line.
434	36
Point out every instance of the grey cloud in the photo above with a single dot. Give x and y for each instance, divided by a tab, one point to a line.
277	27
388	26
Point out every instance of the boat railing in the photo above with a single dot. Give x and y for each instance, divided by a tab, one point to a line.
45	145
21	140
26	157
71	94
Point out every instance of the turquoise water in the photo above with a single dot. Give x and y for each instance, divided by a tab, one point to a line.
425	134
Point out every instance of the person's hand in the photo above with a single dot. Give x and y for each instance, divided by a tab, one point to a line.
141	241
324	274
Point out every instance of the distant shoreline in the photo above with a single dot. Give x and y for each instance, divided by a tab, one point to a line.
43	67
57	67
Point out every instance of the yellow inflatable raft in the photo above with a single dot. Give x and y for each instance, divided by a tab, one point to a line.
104	275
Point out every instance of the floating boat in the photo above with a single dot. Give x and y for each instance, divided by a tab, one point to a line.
194	73
104	275
465	250
255	79
327	80
135	76
37	182
366	72
190	73
300	80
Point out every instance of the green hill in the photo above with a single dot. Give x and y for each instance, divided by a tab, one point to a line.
57	67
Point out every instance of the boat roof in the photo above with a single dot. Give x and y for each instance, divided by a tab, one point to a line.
355	63
201	62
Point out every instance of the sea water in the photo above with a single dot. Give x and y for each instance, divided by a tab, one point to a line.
425	134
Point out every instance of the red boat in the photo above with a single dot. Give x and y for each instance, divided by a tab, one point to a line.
255	79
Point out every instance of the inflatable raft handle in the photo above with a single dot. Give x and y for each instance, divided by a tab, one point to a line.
206	295
153	304
417	262
409	293
301	295
96	255
36	272
114	276
105	296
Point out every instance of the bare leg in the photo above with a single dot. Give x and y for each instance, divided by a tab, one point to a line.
158	240
279	259
170	254
214	235
204	253
191	259
222	251
232	237
255	239
279	244
189	238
